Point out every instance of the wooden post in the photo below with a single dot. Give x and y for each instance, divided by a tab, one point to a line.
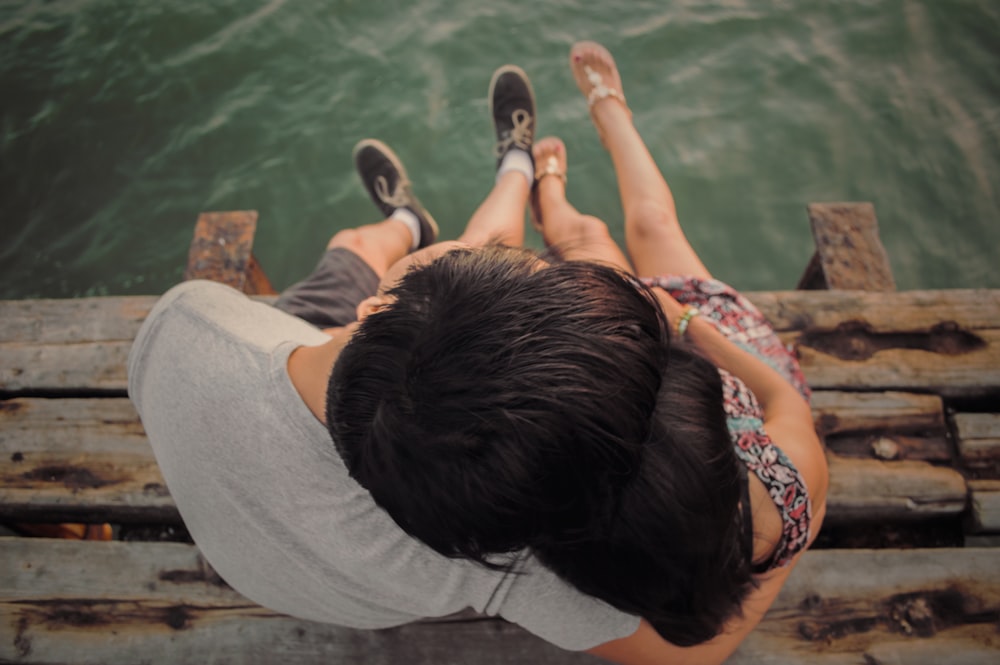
978	439
849	254
221	250
985	499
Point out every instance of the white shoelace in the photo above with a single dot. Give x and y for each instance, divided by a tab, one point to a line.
397	198
521	134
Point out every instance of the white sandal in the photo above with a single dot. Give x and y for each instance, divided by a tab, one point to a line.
600	91
551	168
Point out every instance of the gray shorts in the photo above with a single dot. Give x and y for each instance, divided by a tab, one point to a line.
329	297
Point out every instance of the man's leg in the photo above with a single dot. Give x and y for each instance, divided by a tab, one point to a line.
348	272
576	236
379	245
356	259
653	233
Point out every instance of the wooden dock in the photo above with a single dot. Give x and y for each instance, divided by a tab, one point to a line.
907	399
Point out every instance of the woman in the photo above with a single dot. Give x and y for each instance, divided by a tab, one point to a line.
782	492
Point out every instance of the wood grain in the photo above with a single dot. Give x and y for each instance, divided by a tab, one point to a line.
78	602
871	490
89	460
940	341
82	460
849	253
978	438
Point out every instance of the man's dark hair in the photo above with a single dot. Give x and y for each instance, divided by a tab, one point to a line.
499	404
476	406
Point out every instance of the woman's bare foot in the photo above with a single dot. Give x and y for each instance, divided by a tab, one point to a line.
598	78
573	235
550	177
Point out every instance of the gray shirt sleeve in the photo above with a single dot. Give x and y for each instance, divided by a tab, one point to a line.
549	607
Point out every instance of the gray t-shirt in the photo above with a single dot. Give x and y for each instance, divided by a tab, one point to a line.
270	503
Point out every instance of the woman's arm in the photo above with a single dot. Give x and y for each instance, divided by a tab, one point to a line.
646	647
787	416
776	396
788	421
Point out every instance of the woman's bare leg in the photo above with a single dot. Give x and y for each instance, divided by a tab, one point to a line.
500	217
653	233
577	237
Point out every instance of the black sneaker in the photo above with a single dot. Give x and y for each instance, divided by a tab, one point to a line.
384	177
513	104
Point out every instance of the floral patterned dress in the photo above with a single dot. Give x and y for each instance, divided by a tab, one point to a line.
744	325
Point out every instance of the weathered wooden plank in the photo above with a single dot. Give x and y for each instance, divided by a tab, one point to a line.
860	342
88	460
872	490
892	447
951	651
86	488
76	320
101	366
68	602
838	412
978	436
971	372
985	514
849	253
133	602
864	606
72	321
36	425
70	345
968	309
97	366
78	459
884	425
850	340
118	318
978	425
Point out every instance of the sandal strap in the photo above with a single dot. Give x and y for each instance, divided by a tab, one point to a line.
600	91
551	168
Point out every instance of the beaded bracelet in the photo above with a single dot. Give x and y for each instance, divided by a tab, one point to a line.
682	323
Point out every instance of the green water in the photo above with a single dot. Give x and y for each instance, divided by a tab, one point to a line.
121	120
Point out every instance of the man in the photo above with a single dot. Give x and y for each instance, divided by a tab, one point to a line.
528	381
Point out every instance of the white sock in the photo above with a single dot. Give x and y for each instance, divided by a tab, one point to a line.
517	160
412	223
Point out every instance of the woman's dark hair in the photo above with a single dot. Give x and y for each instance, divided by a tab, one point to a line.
482	405
672	549
499	405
